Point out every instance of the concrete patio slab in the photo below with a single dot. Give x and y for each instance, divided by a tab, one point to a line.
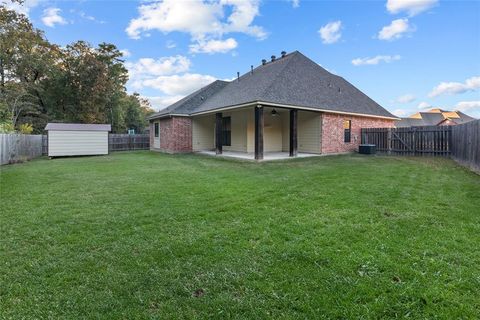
268	156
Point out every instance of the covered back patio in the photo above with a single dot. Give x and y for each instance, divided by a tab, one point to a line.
258	132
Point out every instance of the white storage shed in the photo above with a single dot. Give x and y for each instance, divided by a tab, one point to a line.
76	139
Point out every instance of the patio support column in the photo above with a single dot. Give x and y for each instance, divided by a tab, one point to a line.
293	132
258	132
218	133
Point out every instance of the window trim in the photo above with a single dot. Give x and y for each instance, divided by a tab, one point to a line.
347	133
156	129
227	134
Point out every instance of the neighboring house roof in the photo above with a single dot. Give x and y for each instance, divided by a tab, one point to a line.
408	122
431	119
434	117
292	80
77	127
462	118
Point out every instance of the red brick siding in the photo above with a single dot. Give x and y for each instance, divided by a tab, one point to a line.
152	134
333	132
175	135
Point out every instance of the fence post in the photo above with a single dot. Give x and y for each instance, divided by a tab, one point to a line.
414	138
389	141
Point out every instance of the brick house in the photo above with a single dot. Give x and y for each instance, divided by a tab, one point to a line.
288	105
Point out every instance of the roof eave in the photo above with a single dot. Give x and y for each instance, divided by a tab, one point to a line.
278	105
167	115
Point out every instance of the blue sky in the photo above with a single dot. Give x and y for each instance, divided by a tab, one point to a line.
406	55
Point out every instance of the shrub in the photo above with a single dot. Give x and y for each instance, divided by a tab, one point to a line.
25	128
6	127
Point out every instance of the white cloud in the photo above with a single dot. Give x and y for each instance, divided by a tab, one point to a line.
412	7
331	32
203	20
170	44
375	60
468	106
213	46
395	30
159	67
51	17
400	112
161	102
85	16
194	17
168	75
20	8
407	98
424	105
178	84
126	53
295	3
470	84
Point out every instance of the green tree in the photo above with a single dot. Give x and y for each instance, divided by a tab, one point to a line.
41	82
25	60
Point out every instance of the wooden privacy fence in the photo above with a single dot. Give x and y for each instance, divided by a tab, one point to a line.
124	142
19	147
466	144
461	142
411	141
44	144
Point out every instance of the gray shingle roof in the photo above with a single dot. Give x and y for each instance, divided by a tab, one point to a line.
431	119
189	103
291	80
463	118
408	122
78	127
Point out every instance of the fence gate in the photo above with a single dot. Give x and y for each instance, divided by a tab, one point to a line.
428	140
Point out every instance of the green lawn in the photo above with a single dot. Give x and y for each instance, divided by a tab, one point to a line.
148	235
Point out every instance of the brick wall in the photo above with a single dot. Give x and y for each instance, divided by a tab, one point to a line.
175	135
152	133
333	132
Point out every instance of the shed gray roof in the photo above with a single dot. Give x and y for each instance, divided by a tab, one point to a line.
77	127
291	80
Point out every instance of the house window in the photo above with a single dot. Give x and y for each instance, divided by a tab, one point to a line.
227	131
156	130
347	129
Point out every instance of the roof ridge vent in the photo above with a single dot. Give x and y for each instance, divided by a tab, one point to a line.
284	53
264	62
273	58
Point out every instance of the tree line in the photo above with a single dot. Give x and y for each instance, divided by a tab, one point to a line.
43	82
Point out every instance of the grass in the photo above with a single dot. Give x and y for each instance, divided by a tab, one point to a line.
148	235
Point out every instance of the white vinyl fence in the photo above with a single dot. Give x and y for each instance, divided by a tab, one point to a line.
19	147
